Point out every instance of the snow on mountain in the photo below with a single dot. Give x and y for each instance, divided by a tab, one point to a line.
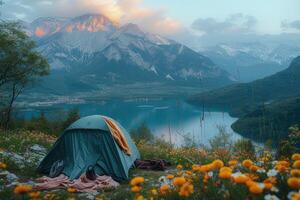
250	61
92	44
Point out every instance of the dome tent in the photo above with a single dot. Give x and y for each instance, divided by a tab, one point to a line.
88	141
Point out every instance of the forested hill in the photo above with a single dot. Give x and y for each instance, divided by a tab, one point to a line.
270	121
281	85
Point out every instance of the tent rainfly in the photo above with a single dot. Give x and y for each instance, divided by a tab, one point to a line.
89	141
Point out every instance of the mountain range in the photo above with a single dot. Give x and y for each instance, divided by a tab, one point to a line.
88	51
248	61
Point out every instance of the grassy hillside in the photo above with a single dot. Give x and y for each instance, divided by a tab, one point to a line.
242	96
270	121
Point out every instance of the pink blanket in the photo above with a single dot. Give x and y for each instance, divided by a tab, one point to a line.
82	184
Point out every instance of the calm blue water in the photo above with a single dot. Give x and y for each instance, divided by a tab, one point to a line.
168	119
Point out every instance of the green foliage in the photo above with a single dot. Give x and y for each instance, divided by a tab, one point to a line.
244	148
142	133
21	65
54	126
291	144
270	121
72	116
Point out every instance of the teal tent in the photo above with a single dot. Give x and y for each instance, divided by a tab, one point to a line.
88	141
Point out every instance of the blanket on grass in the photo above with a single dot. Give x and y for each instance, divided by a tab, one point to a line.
83	184
152	164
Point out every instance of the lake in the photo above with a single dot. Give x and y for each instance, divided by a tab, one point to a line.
171	119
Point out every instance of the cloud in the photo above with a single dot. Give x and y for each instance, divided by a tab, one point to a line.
236	23
290	25
121	11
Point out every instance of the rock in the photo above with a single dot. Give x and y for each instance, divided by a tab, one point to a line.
35	154
4	173
13	184
38	148
11	177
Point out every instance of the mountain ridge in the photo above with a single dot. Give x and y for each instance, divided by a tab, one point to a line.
109	53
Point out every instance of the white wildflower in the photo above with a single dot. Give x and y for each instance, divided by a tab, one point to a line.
272	172
271	197
210	174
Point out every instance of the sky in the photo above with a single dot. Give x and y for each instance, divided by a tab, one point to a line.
181	18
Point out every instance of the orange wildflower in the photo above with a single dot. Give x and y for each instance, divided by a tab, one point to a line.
170	176
242	179
218	164
255	189
296	156
247	163
297	164
294	182
22	189
179	181
233	163
137	180
136	189
225	174
71	190
164	189
295	172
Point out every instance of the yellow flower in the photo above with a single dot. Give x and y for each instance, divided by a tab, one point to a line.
295	172
249	183
297	164
153	192
255	189
22	189
232	163
228	169
283	162
206	168
170	176
186	190
253	168
179	181
3	165
48	195
268	185
71	190
139	197
137	180
136	189
281	168
294	182
295	196
247	163
242	179
71	198
218	164
296	156
98	198
195	168
179	167
225	174
188	172
34	195
164	188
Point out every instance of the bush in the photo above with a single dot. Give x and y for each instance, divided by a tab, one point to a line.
244	148
142	133
53	125
291	144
